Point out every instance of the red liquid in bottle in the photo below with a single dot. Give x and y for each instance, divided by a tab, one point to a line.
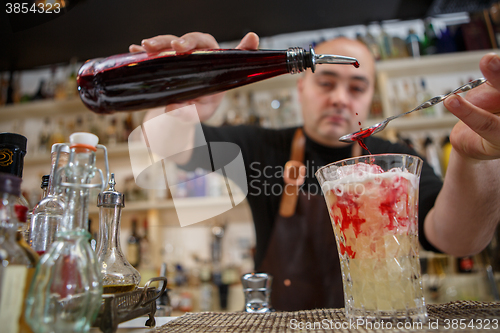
40	253
140	80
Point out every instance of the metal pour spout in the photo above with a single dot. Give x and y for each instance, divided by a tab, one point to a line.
299	59
316	59
335	59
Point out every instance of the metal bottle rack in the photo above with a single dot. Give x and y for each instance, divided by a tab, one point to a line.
120	307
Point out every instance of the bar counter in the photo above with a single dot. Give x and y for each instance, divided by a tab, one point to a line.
460	316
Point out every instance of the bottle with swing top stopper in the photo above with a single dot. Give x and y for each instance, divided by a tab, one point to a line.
66	292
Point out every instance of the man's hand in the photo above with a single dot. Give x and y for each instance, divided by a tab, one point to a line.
467	209
477	136
206	105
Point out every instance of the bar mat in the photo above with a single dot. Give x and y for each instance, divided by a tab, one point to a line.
461	316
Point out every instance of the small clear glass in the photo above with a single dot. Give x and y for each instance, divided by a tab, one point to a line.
118	275
257	290
373	205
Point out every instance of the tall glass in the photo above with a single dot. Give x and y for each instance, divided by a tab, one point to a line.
373	204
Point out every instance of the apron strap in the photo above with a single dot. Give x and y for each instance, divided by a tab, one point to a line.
293	175
295	172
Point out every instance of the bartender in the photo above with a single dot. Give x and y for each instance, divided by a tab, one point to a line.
295	240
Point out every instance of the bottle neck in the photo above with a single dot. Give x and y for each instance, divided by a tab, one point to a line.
109	229
299	60
63	160
44	192
79	171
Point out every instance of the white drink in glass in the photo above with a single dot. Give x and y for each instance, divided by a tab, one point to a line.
374	213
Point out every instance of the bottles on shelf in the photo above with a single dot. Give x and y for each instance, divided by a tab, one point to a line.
434	146
134	246
407	92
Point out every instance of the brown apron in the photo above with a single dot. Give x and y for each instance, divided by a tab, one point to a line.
302	254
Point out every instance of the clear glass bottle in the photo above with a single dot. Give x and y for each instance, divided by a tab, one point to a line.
12	151
48	213
135	81
134	246
66	292
15	267
118	275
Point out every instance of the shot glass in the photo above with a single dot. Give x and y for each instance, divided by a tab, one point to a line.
257	290
373	205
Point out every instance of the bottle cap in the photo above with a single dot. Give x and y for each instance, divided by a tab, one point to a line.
12	151
10	184
84	138
45	181
64	149
111	197
14	139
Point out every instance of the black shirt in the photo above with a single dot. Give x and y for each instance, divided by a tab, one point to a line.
265	152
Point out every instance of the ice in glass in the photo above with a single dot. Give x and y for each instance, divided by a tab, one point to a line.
373	206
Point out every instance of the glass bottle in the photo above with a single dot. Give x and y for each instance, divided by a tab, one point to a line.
16	268
134	246
118	275
66	291
145	249
48	213
12	151
136	81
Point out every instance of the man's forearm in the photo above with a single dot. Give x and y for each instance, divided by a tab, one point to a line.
467	209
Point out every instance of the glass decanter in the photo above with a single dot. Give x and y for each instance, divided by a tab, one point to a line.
66	292
118	275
